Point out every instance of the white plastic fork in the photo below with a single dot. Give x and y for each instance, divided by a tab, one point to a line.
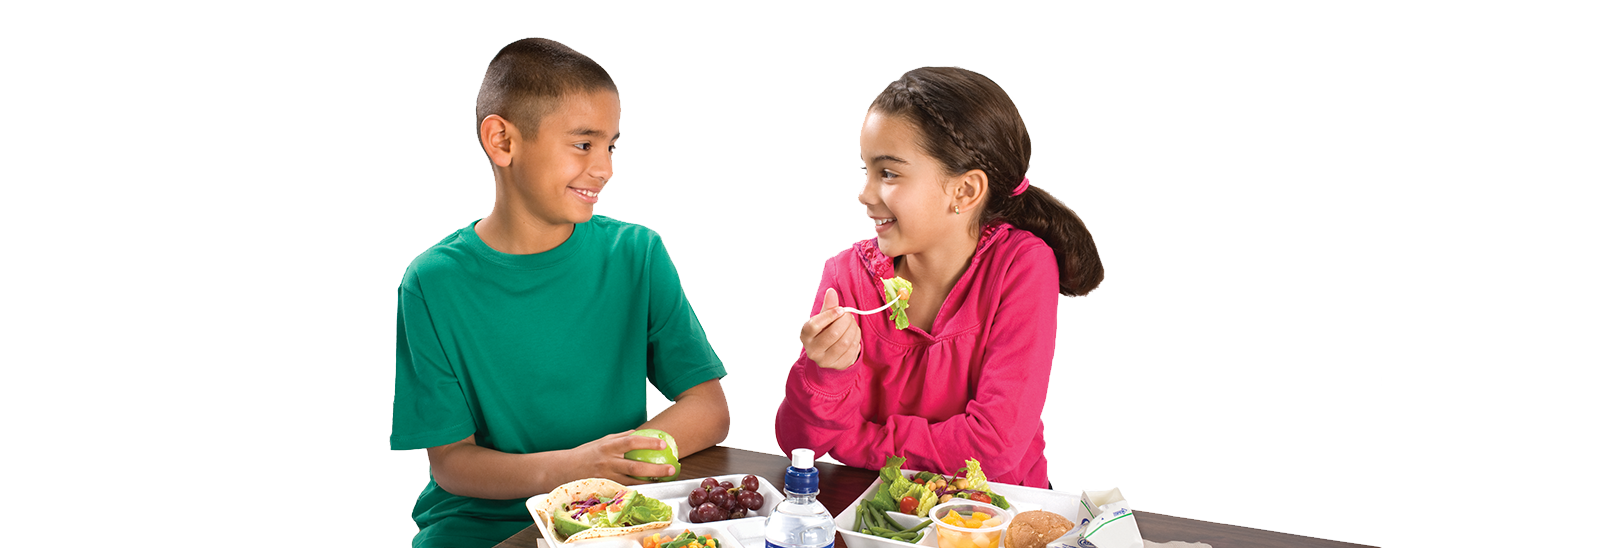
873	311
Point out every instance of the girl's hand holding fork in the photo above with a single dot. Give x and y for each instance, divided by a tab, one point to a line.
831	338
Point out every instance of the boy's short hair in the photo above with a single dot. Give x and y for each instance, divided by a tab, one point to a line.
528	76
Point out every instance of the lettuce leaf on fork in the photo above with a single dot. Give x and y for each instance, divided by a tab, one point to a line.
891	288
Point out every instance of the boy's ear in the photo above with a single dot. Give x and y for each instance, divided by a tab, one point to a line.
495	133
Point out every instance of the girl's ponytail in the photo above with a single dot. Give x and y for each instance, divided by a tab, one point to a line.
1038	212
967	122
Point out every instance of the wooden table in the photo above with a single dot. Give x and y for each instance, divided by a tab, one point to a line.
841	484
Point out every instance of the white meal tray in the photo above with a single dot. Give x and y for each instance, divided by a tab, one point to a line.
1020	498
747	532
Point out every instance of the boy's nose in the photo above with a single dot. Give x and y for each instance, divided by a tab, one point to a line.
601	168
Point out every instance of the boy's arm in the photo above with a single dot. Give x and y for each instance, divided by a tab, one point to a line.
464	468
697	419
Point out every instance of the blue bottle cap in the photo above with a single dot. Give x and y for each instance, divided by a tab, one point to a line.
801	478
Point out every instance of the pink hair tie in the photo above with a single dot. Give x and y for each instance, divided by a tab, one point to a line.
1021	187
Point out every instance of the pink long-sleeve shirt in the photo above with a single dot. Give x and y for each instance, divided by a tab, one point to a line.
973	388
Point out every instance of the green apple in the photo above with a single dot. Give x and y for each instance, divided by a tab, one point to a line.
656	456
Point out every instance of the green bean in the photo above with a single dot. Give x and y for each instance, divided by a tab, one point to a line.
919	526
889	520
883	519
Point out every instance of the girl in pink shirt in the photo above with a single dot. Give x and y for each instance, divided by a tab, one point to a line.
946	156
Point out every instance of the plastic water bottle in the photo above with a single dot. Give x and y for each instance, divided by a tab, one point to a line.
800	521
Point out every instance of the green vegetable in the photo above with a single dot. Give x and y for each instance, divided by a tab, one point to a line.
891	288
638	509
684	538
871	521
895	486
566	526
977	481
891	469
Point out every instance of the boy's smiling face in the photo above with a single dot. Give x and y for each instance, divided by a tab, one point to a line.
557	174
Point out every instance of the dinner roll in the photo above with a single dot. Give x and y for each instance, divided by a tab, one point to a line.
1036	528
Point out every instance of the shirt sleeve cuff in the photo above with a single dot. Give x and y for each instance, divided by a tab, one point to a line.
833	382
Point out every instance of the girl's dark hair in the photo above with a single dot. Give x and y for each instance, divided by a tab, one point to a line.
967	122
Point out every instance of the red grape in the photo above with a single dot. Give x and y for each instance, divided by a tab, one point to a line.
705	512
717	496
737	513
729	504
752	500
726	485
697	496
708	483
750	483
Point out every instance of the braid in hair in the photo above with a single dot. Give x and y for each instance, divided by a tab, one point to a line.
967	122
977	160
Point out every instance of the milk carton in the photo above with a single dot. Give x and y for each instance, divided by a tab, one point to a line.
1108	521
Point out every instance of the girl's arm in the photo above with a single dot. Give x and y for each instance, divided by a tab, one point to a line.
820	403
1000	420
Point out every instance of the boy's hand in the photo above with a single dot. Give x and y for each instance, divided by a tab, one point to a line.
602	458
831	338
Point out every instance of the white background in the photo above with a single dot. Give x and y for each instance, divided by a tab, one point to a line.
1229	367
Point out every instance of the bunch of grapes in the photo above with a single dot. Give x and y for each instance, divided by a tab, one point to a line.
717	501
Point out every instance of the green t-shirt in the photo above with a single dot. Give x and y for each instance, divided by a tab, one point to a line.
537	352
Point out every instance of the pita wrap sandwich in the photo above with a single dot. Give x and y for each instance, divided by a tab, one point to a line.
600	508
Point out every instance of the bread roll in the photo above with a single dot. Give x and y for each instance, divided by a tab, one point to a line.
1036	528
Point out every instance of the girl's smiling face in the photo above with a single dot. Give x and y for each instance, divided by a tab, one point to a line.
908	195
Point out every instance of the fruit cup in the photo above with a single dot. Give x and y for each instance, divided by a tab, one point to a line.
963	523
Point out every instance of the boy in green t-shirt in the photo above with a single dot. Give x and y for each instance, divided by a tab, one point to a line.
525	339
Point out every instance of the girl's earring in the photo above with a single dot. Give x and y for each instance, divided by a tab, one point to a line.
958	210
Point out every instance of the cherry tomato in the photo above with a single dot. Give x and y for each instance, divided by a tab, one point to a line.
908	504
919	481
982	497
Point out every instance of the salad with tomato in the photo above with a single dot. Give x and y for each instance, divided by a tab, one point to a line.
916	494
